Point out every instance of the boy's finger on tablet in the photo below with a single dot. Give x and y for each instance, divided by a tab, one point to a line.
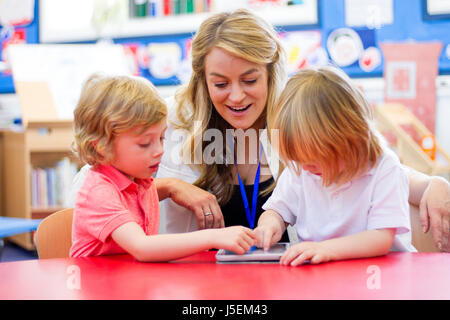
237	248
252	234
250	241
245	245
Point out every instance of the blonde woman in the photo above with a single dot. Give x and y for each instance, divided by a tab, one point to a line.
346	195
238	73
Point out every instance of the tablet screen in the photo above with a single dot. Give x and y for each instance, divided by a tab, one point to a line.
254	254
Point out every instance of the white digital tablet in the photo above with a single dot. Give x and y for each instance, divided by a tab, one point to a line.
254	255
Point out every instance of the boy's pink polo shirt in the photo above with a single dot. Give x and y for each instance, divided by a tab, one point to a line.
107	200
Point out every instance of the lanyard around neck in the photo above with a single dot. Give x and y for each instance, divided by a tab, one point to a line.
250	214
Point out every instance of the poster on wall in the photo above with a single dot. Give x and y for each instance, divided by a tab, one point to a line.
370	59
171	62
348	47
185	70
344	46
436	9
14	16
14	13
303	49
164	59
410	74
163	63
131	56
401	79
61	70
13	36
372	14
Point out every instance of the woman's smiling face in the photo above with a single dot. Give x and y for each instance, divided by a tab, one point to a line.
237	88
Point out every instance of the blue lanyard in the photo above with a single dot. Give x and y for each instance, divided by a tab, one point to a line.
251	215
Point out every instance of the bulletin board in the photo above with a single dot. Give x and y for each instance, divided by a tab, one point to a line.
167	17
55	74
337	20
164	58
26	32
412	26
436	9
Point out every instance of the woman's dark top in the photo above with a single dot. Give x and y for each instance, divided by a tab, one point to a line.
234	211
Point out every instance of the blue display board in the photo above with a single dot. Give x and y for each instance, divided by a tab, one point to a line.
410	22
30	33
166	45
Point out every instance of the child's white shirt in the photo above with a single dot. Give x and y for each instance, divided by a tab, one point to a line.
375	200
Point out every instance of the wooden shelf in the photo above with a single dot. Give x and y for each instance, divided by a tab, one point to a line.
41	213
37	146
78	26
391	118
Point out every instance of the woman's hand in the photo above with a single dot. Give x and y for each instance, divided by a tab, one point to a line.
435	212
202	203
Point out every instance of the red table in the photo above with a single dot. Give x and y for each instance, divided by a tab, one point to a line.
395	276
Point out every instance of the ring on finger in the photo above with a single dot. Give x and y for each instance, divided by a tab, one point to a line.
207	214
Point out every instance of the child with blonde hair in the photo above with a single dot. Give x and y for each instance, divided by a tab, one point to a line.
345	194
120	123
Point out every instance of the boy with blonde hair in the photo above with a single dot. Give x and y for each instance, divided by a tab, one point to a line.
120	124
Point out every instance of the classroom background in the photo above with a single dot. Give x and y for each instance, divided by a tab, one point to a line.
397	51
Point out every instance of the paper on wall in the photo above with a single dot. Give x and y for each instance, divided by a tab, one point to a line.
369	13
345	46
65	68
438	7
13	12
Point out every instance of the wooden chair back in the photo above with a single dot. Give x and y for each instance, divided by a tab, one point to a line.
54	235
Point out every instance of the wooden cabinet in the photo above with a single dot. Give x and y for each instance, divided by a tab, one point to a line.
39	145
47	97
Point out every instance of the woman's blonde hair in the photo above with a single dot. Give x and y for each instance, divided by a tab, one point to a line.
323	118
242	34
110	105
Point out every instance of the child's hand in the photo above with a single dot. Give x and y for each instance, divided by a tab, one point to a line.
315	252
266	236
237	238
270	229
